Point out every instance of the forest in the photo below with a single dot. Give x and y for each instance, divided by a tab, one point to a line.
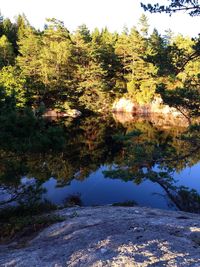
53	68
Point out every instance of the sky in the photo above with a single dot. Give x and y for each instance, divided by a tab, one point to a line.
115	14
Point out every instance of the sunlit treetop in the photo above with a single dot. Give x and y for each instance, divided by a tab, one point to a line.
192	7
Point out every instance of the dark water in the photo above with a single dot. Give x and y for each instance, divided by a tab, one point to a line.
109	160
98	190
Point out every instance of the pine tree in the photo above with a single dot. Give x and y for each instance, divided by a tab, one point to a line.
143	25
10	30
6	52
141	79
90	74
13	84
29	62
158	53
56	63
122	50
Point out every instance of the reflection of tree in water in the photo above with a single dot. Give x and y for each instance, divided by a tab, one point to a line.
138	150
16	189
89	145
156	155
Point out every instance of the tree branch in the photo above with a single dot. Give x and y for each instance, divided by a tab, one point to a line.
192	7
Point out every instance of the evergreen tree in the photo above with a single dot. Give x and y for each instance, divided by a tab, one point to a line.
22	25
29	61
122	50
158	53
85	33
13	84
6	52
10	31
141	80
107	58
92	70
143	25
56	63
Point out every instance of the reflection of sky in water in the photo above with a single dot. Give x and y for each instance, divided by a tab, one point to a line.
189	177
97	190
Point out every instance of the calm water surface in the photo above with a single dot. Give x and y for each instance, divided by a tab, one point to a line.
103	163
102	154
98	190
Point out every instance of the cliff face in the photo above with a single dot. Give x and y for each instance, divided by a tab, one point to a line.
112	236
156	106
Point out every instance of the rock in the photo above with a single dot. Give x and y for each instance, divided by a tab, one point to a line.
138	229
195	235
156	106
123	105
103	250
73	113
105	236
50	113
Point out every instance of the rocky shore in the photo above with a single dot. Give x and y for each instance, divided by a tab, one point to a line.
157	106
111	236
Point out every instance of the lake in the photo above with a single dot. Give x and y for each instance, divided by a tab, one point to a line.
114	159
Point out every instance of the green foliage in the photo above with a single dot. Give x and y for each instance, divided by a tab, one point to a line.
158	53
6	52
89	70
157	161
22	222
29	62
53	68
12	83
139	73
46	63
56	68
143	25
186	100
23	132
127	136
130	203
84	33
190	199
97	67
136	152
73	200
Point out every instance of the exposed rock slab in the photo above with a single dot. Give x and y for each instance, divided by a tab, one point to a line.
112	236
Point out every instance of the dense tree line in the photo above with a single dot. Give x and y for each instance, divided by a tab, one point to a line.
53	68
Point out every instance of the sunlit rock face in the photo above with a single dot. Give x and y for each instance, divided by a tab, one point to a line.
156	106
111	236
123	105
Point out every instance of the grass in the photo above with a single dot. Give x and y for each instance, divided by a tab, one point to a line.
23	222
73	200
129	203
